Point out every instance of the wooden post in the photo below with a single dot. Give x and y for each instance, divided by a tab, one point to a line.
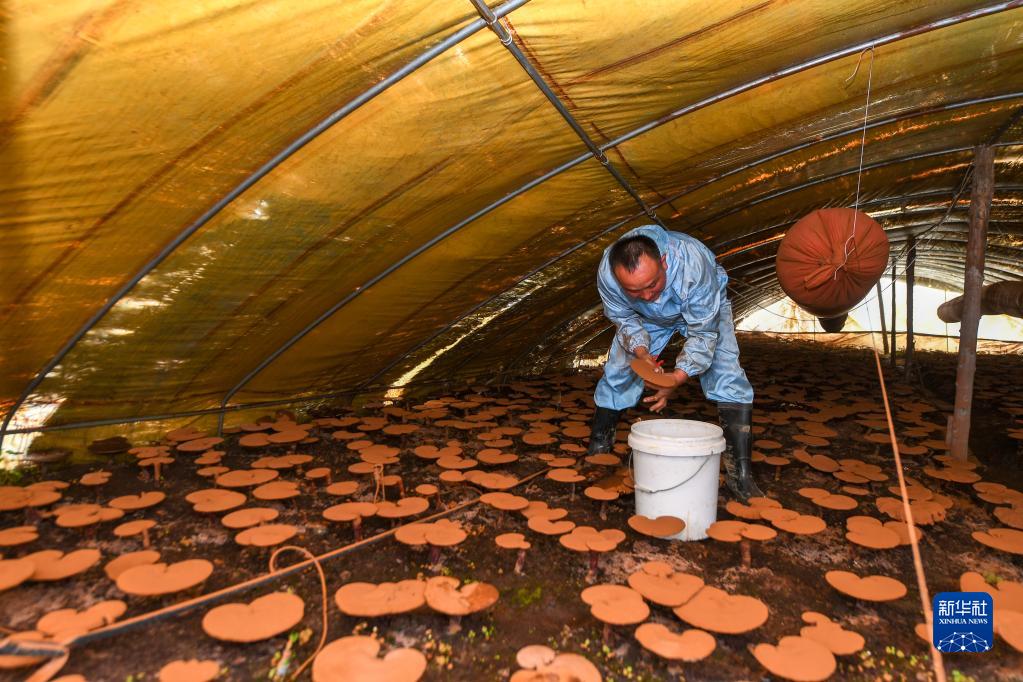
980	207
910	285
884	325
895	343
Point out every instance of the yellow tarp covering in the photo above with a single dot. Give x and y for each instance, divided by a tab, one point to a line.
453	219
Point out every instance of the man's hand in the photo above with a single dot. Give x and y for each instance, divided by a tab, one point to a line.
659	400
642	353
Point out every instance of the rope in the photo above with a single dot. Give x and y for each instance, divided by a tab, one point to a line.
863	145
907	513
323	588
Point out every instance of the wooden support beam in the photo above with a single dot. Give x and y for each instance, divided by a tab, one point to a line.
980	208
910	285
884	325
895	344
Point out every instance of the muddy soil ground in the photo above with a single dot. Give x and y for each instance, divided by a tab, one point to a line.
542	606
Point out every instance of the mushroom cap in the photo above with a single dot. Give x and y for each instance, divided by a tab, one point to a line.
1007	595
116	567
10	662
354	659
661	527
260	619
191	670
534	656
444	596
52	564
445	533
572	667
212	500
342	488
427	489
691	645
797	658
70	622
266	535
512	541
276	490
869	588
545	526
14	497
802	524
604	459
669	589
81	517
616	604
159	578
318	473
589	539
600	494
95	478
349	511
245	478
250	516
367	600
491	480
824	631
652	375
18	535
406	506
13	572
140	501
565	475
870	532
1009	627
254	440
504	501
200	444
540	508
130	528
715	610
496	457
1003	539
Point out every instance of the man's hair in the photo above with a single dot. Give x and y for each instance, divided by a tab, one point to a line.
626	252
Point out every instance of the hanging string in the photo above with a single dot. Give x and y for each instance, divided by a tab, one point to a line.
863	143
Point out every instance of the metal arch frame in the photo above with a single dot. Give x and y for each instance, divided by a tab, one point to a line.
605	232
595	151
841	174
436	50
460	35
491	20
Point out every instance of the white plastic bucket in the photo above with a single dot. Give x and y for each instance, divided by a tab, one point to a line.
676	466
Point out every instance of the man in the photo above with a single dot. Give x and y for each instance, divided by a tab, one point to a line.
654	283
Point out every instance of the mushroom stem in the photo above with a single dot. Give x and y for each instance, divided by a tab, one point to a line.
777	473
145	538
455	625
434	556
747	557
608	634
401	487
571	497
156	472
520	561
357	526
603	510
591	575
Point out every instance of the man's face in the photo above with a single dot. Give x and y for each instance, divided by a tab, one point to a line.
647	281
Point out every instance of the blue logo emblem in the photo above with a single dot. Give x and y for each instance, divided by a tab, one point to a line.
963	621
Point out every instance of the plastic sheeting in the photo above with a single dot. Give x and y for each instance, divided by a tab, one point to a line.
454	220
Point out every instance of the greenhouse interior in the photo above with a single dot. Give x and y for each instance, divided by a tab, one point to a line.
541	340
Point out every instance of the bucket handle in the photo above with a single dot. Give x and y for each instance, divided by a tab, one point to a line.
637	486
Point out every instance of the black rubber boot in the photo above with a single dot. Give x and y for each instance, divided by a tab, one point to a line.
602	430
736	421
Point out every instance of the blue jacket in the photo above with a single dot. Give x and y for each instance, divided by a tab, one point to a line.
691	301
